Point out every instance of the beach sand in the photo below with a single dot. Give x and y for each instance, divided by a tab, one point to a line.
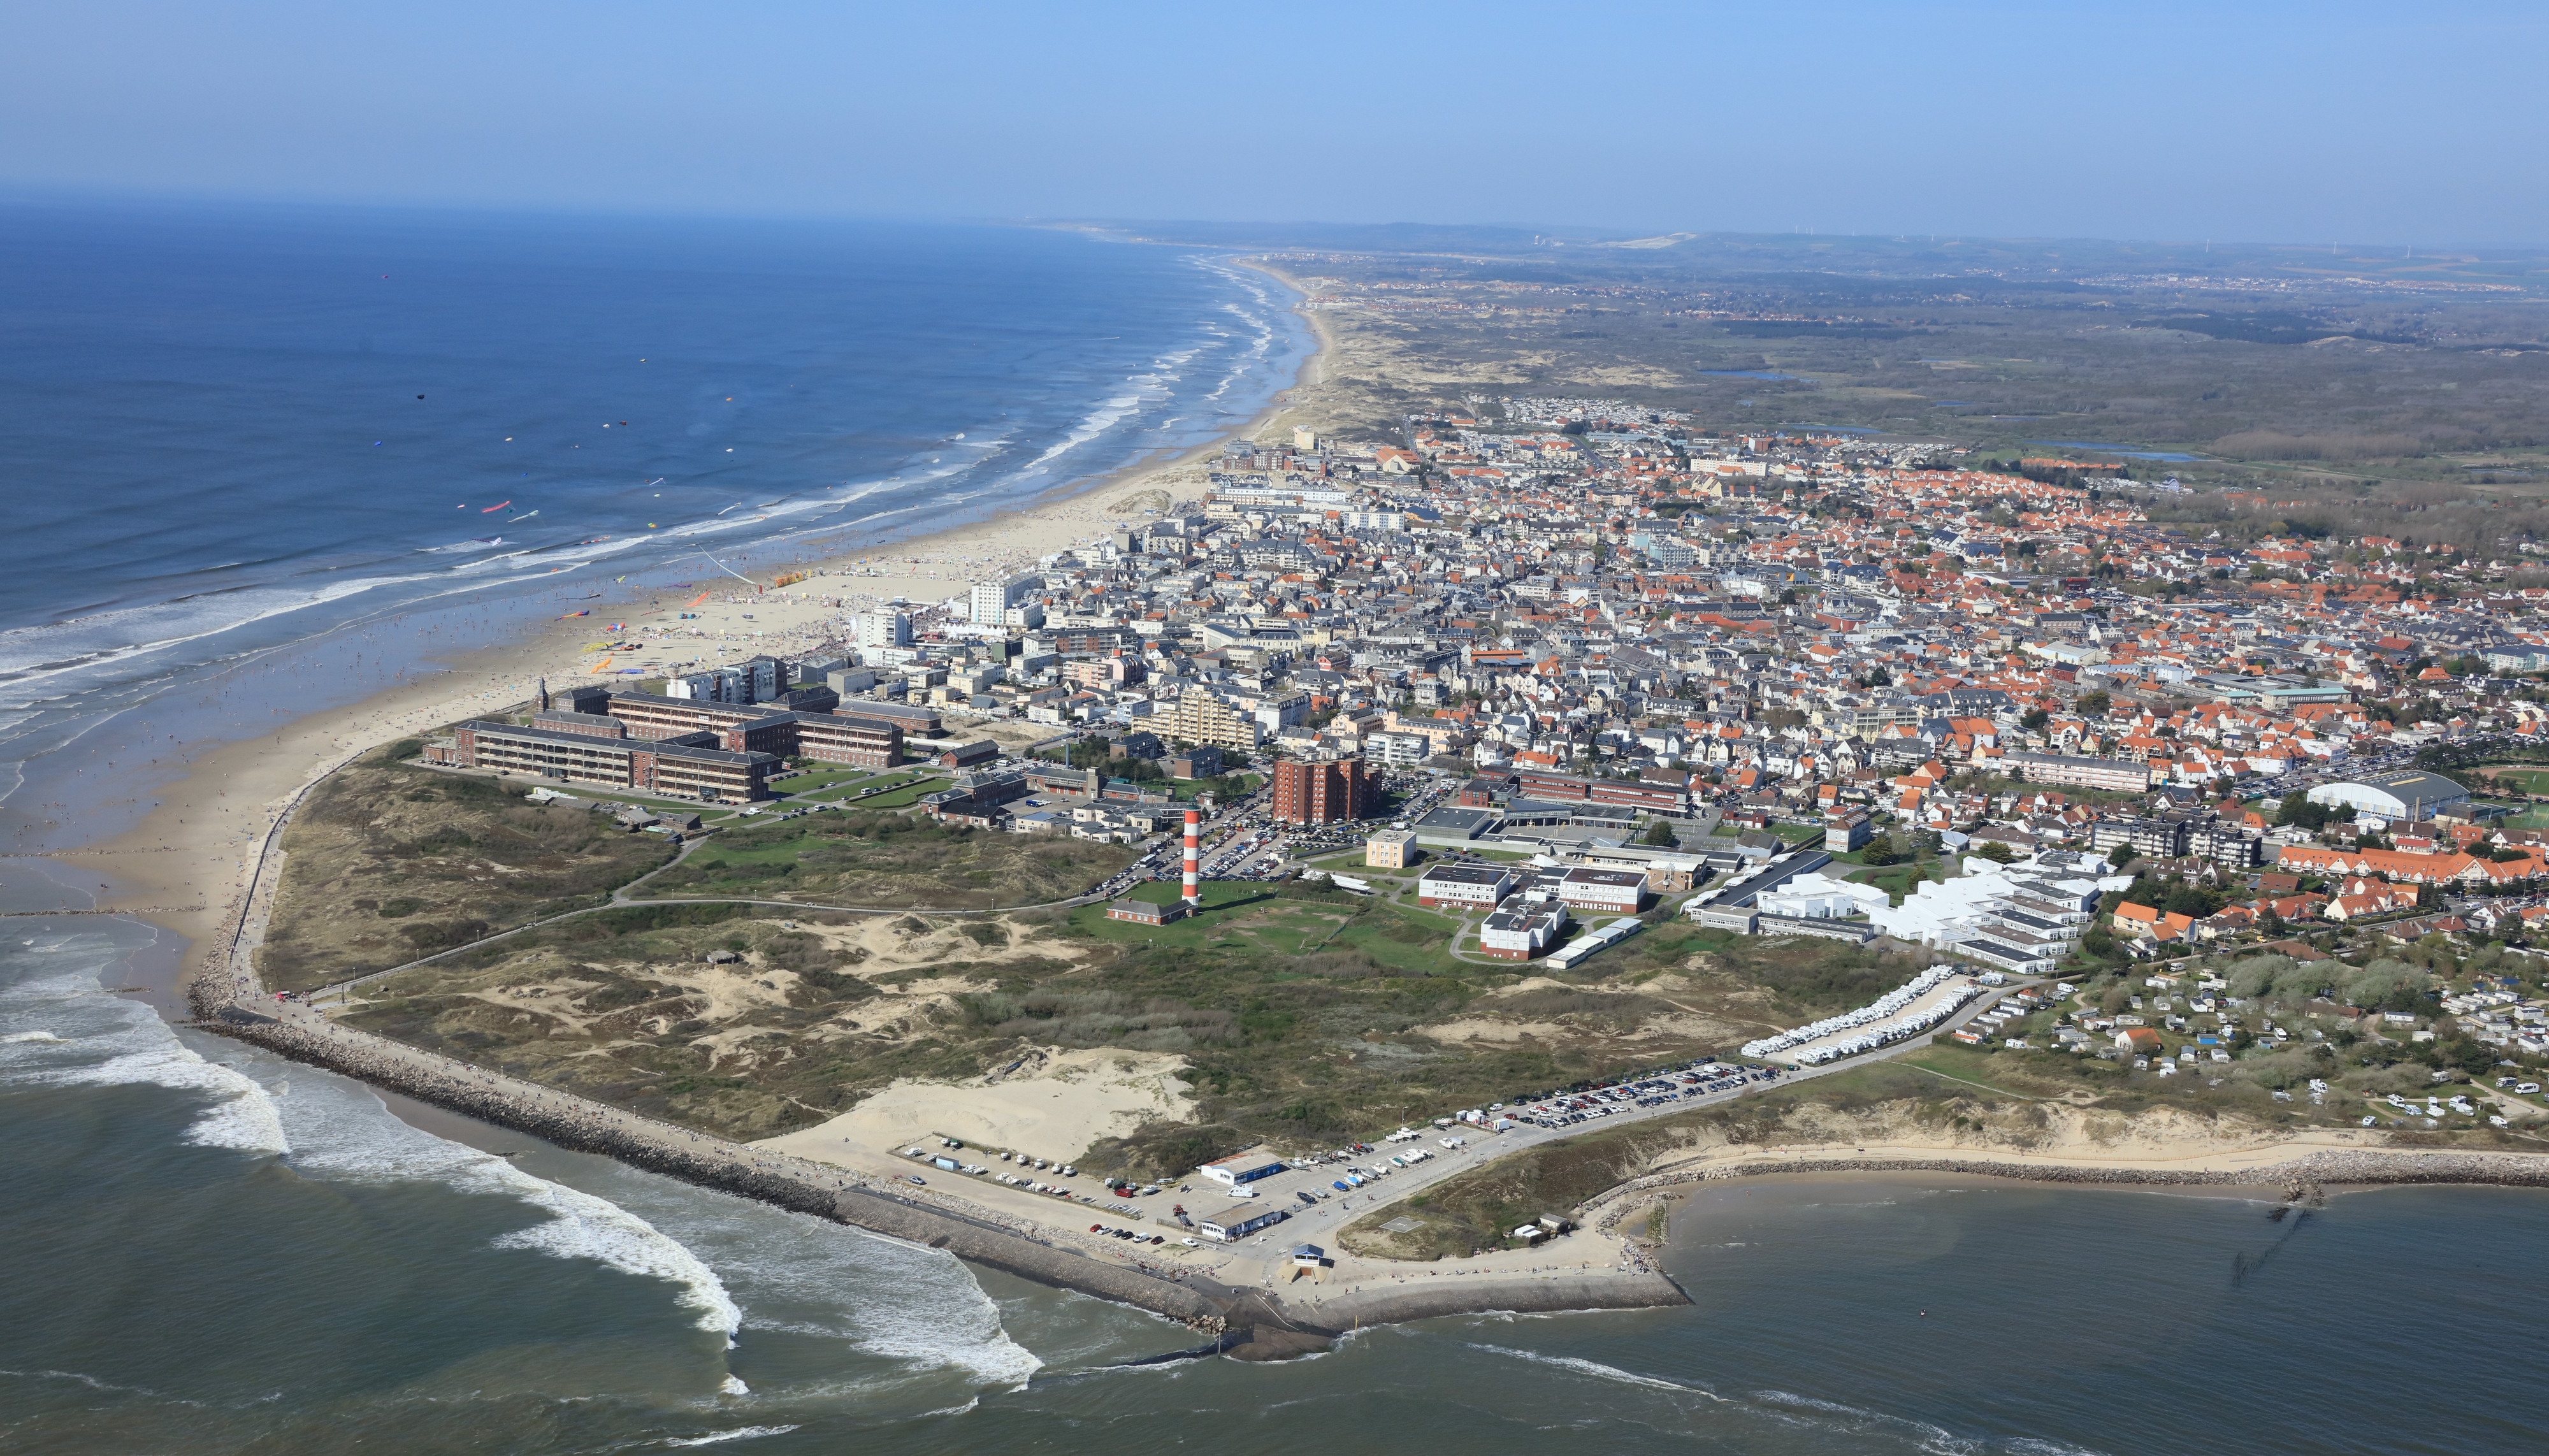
1053	1110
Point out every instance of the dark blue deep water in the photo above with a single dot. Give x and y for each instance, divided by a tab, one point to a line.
221	430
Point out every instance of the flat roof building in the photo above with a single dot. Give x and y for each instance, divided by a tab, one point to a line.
1467	884
1391	848
1241	1167
1610	891
1521	933
689	767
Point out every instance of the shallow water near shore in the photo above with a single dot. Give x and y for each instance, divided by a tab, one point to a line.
212	1249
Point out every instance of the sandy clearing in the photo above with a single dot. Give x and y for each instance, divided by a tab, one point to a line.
1054	1111
1478	1030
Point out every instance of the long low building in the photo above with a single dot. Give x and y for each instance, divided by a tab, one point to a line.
1667	795
1614	891
1468	883
2115	775
861	740
693	767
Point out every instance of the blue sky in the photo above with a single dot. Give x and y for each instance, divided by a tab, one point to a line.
2346	122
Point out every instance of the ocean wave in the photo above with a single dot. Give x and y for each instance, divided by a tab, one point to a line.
49	651
806	1276
242	1117
1598	1370
1923	1435
103	1386
1093	425
583	1227
739	1433
123	1043
343	1132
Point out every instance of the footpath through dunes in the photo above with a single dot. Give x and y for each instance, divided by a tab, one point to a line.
885	859
383	862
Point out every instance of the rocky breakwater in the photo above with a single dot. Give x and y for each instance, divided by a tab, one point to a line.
1430	1293
713	1162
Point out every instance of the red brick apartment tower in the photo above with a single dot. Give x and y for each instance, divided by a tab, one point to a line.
1323	792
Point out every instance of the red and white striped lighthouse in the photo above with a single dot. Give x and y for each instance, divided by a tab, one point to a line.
1194	889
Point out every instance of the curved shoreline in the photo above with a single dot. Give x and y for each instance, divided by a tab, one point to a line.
1246	1324
2309	1174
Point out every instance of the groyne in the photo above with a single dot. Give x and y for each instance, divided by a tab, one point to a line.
571	1123
1246	1324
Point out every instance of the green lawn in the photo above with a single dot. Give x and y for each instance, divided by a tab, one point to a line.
1898	879
1243	915
824	777
2524	781
902	797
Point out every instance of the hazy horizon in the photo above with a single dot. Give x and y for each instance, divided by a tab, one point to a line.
2339	123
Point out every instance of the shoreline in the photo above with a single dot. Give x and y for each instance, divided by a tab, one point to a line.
188	866
1245	1323
2310	1175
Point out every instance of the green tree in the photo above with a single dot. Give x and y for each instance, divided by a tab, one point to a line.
1660	834
2094	704
2123	855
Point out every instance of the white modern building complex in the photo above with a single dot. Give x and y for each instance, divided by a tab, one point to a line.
2021	917
1818	895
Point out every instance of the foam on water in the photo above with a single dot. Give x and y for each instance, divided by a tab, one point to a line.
739	1433
341	1131
918	1308
809	1276
1598	1370
120	1044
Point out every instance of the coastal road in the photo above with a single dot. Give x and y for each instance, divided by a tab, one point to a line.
1268	1255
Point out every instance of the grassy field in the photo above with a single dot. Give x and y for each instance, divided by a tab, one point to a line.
819	778
1899	879
385	862
623	1007
1240	915
2523	781
1306	1017
868	857
902	795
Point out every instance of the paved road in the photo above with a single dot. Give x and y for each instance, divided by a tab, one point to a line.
1259	1257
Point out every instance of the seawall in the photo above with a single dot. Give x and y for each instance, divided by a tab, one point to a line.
1201	1305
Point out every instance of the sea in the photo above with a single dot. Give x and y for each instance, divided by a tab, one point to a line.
232	508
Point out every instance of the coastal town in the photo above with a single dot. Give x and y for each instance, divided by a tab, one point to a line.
2231	814
1606	630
